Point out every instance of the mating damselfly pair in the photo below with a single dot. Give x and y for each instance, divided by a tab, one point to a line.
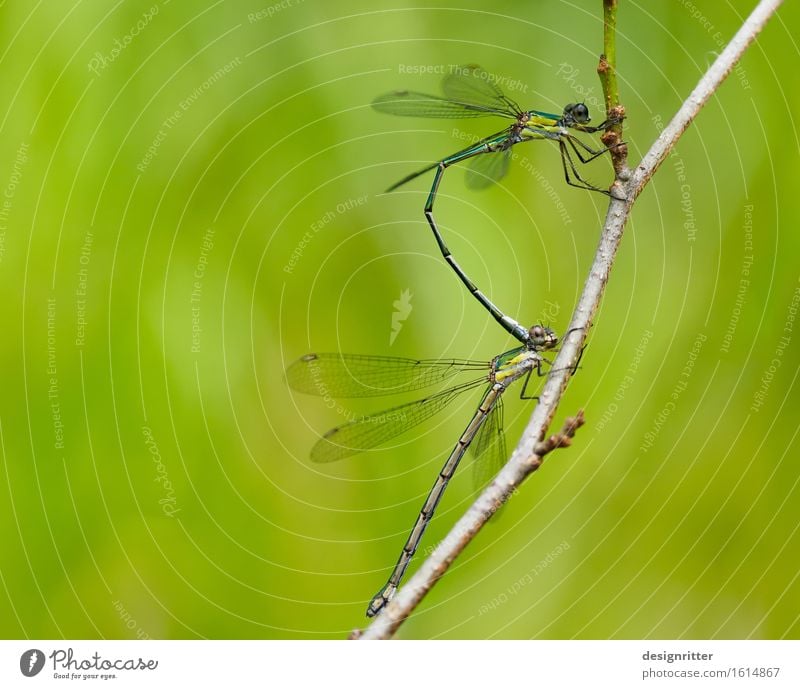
468	92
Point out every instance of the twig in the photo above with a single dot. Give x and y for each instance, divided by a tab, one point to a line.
562	439
525	459
607	71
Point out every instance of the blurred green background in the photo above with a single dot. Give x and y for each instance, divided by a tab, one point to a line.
192	200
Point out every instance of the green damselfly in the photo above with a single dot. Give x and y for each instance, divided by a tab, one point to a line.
472	92
344	375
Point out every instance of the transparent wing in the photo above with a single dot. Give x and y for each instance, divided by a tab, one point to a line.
486	169
488	448
357	375
370	431
473	84
416	104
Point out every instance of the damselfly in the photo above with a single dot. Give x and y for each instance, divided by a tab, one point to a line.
342	375
472	92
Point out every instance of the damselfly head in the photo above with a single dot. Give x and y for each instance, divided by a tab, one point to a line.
541	337
576	113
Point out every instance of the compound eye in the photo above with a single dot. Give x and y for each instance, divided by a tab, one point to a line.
537	332
580	112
